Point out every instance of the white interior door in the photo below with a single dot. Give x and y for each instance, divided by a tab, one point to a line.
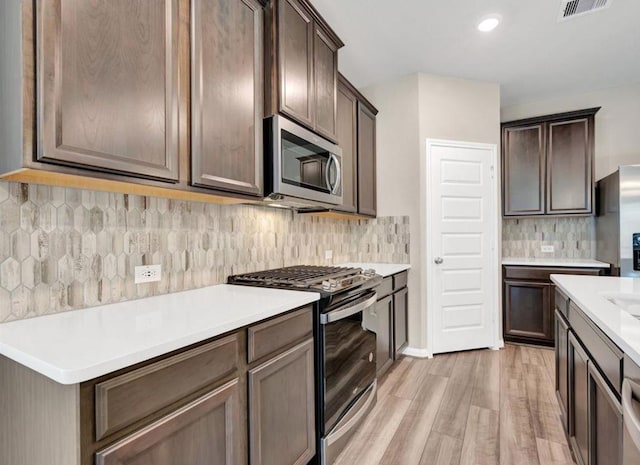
461	245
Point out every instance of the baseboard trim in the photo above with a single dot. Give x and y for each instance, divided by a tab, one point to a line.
417	353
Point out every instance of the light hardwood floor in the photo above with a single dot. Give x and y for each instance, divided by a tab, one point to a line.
468	408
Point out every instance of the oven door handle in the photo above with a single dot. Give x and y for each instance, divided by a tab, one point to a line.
342	313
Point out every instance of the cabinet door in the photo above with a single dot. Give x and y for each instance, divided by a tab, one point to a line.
295	34
400	308
570	167
108	85
227	94
562	367
366	161
282	409
523	168
206	431
384	334
325	81
347	135
605	422
578	400
527	310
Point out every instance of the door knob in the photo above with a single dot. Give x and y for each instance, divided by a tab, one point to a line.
438	260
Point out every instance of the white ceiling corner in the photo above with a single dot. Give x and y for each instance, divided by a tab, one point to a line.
531	54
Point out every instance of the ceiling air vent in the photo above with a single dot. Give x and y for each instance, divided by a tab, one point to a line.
572	8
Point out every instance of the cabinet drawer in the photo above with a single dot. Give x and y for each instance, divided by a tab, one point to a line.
542	274
269	337
385	288
399	281
562	303
604	352
130	397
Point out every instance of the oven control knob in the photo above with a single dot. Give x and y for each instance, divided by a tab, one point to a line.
370	272
371	356
326	285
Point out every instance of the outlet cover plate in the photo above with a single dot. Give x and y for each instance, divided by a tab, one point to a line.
328	254
547	249
148	274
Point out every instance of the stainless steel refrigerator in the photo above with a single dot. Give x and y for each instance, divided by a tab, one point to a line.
618	221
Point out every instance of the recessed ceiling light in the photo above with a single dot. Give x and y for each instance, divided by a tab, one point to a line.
489	23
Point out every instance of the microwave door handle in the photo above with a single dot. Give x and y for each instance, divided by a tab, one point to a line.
338	173
342	313
327	173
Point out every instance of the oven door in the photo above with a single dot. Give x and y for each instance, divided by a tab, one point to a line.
349	356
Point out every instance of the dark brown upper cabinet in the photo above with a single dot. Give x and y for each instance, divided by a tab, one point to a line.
547	165
347	135
367	192
570	180
107	85
356	131
524	170
303	66
227	95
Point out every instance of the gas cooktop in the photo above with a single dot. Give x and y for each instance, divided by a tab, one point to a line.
324	279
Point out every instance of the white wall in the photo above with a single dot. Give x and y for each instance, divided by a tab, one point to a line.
398	178
617	123
412	109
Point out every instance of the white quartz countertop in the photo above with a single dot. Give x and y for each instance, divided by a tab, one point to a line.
80	345
591	294
383	269
566	262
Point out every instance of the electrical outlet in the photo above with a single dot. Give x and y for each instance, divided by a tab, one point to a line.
328	254
547	249
148	274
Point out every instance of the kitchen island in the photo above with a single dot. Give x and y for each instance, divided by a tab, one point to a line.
597	360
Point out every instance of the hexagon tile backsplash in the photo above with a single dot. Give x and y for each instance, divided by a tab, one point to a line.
62	249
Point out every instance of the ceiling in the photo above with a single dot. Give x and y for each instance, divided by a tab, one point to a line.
530	54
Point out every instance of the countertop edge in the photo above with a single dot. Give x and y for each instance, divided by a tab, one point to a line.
564	263
611	333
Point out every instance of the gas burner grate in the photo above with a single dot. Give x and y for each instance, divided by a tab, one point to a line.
299	276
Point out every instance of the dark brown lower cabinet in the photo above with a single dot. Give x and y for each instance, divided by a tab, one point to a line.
562	367
578	400
589	370
606	428
204	431
400	330
384	315
528	310
282	409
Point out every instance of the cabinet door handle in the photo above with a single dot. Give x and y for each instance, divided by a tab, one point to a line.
438	261
631	394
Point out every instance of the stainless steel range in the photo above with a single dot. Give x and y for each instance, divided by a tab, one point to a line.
344	349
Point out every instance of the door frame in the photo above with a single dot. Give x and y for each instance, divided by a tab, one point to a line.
494	256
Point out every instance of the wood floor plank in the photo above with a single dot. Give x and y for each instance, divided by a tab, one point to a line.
481	445
409	442
442	364
517	436
454	409
390	380
543	404
370	442
553	453
408	385
441	450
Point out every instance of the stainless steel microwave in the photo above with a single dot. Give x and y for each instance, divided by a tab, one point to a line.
301	168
